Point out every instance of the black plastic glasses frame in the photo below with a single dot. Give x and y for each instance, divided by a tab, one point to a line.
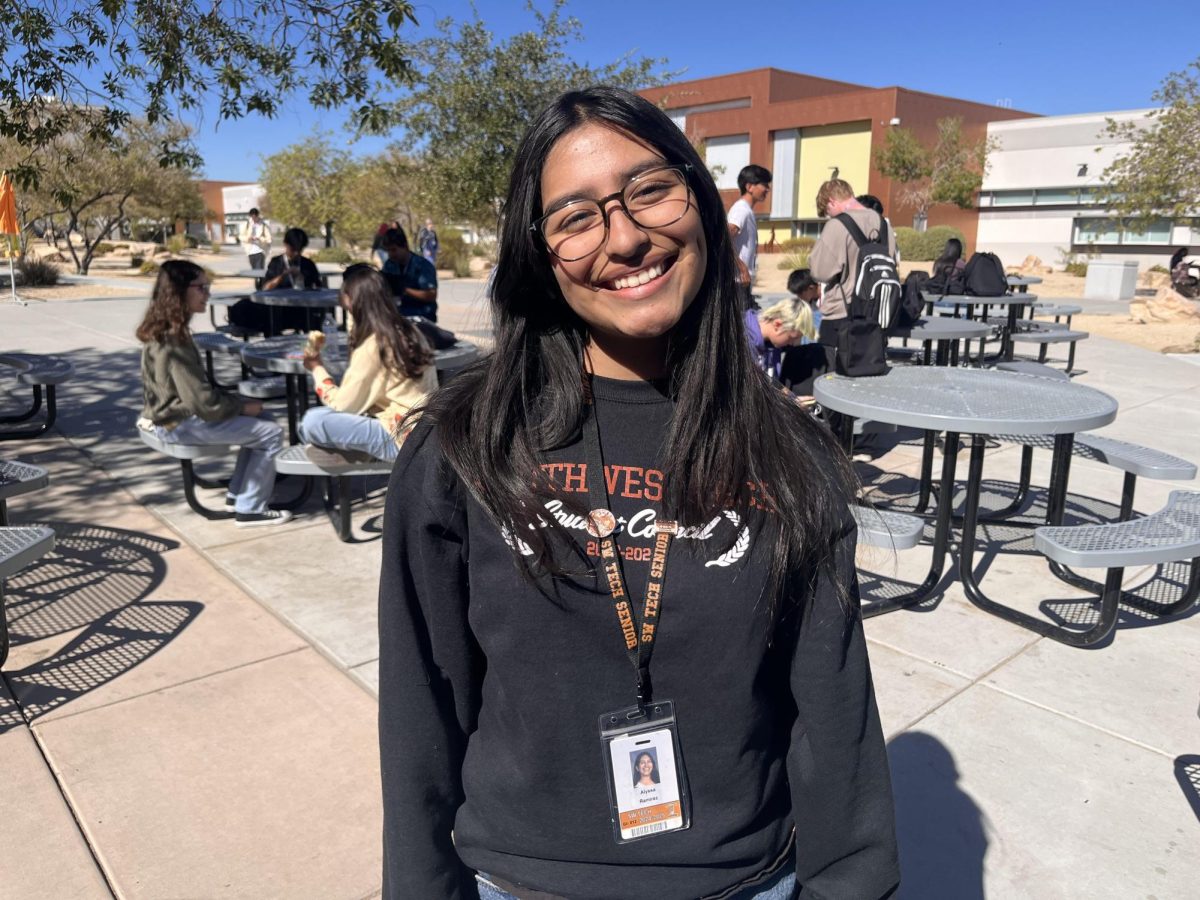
619	196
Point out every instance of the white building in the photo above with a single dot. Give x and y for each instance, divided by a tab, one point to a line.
238	201
1040	195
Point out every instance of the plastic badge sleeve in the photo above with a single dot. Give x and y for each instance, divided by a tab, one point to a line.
647	785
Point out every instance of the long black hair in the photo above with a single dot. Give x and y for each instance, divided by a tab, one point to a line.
951	254
732	433
401	347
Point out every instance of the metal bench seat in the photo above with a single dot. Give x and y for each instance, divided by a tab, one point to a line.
1132	459
217	342
18	478
885	528
336	481
1046	333
1056	310
186	453
1029	367
41	373
1171	535
19	547
272	387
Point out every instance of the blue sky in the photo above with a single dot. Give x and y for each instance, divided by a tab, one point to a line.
1045	57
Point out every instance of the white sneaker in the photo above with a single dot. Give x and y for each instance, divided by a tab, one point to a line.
269	517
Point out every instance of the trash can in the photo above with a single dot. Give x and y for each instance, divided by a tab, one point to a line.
1111	280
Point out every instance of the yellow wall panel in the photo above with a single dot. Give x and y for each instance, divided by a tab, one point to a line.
846	146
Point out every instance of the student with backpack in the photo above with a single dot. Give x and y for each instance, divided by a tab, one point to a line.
836	261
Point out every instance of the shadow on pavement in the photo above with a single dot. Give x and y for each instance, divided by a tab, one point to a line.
942	832
96	579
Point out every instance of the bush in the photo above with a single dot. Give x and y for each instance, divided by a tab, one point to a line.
37	272
1078	268
148	267
797	260
215	246
339	255
918	246
177	243
104	247
798	244
453	254
1160	269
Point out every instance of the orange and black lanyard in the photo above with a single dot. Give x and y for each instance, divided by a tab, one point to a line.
638	633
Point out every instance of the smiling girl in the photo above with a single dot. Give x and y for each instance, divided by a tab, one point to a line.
622	389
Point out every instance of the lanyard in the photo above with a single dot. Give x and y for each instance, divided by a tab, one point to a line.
638	633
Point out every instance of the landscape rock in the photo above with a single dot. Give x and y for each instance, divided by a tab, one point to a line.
1165	306
1033	265
1154	280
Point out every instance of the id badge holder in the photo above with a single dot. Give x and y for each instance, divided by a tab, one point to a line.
647	785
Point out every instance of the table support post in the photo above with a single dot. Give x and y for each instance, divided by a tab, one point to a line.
941	538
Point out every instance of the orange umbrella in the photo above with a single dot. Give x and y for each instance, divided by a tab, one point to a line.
8	206
8	224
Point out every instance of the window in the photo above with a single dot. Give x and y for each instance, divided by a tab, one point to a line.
1056	197
1111	231
1012	198
726	157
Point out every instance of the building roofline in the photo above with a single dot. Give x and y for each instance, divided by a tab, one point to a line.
761	69
1068	117
1007	109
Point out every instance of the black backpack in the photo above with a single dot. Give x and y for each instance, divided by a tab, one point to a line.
946	280
912	304
984	276
876	283
861	344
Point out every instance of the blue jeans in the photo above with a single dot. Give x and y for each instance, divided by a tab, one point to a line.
347	431
780	886
253	477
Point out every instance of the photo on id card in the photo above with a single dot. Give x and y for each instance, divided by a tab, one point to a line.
645	784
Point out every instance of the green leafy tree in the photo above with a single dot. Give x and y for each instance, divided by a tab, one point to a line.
379	189
303	183
475	97
951	171
126	59
92	186
1160	176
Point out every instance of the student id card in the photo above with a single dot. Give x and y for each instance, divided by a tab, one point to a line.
647	786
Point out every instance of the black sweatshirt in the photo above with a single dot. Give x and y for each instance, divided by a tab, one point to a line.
490	692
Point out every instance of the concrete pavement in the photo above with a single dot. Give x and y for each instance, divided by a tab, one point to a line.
1022	768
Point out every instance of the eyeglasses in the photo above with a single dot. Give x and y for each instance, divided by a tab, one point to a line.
653	199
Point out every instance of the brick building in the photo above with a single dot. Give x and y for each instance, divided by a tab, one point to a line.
804	129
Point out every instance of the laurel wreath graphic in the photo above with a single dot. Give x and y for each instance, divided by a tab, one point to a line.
738	550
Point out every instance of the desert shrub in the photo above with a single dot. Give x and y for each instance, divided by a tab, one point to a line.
798	244
1078	268
1162	270
148	267
37	272
104	247
177	243
215	246
797	260
339	255
925	246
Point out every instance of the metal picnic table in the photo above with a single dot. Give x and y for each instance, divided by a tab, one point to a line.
976	402
1014	303
945	332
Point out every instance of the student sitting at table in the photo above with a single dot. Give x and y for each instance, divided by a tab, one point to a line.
181	406
390	371
412	277
290	269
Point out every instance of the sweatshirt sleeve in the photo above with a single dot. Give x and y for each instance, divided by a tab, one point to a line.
430	672
356	392
195	391
827	260
837	762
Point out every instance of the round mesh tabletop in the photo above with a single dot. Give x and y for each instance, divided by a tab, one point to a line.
942	328
322	298
286	354
968	401
973	300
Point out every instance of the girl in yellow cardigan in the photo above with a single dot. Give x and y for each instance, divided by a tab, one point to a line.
391	370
